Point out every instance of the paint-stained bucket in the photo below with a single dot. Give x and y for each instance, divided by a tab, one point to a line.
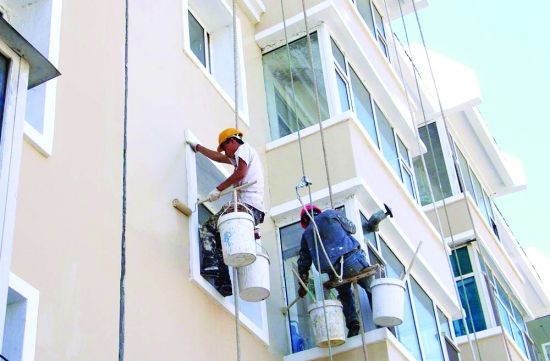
388	300
237	237
335	321
254	279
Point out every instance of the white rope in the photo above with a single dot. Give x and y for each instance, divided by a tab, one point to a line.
440	228
236	74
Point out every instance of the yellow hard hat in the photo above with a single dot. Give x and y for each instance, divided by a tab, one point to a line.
228	133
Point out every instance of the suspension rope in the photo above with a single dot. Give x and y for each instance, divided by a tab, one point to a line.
454	157
436	213
236	83
235	64
122	291
317	104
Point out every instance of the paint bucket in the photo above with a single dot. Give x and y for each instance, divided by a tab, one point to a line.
335	321
237	238
388	299
254	279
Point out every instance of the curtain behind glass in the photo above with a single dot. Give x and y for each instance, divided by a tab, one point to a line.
283	114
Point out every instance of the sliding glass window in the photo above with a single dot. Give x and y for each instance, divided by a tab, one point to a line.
291	94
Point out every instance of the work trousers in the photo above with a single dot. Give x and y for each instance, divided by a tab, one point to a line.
212	265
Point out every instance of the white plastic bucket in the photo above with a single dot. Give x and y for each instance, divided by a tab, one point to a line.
335	321
388	299
237	238
254	279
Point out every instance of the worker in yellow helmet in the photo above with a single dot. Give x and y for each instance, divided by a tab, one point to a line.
247	168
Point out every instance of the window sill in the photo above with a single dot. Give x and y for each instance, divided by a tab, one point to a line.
243	115
253	9
371	338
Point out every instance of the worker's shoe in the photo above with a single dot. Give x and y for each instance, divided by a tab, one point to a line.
353	328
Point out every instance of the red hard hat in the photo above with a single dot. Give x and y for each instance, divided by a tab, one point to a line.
304	219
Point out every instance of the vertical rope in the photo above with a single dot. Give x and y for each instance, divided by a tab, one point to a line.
122	291
236	64
236	83
436	213
317	104
237	321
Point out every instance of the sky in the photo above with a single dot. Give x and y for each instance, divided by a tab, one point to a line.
507	43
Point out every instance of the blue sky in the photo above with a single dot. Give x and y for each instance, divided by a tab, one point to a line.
507	44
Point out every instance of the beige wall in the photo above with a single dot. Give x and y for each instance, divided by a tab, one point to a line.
68	230
67	237
492	348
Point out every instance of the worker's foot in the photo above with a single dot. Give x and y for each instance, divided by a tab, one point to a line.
353	329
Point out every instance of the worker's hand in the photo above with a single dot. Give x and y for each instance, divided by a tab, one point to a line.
214	195
192	144
302	291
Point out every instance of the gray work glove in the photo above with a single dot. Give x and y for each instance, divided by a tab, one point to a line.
193	145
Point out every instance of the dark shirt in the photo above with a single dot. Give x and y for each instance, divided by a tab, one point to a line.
335	231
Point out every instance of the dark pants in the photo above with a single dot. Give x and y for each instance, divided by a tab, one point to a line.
212	265
354	262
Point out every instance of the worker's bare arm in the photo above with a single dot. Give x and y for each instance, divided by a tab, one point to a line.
215	156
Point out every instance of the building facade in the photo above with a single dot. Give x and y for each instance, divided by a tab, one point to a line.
91	204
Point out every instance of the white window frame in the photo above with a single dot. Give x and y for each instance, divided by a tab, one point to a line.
30	297
10	162
544	353
216	18
43	141
194	262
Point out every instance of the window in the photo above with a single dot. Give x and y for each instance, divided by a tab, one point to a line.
342	79
374	121
21	320
40	23
363	107
252	314
478	194
291	103
546	351
199	41
18	70
208	26
301	335
468	293
407	332
374	21
427	324
436	171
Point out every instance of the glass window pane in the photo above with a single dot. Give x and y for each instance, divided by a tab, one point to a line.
427	324
408	180
363	106
435	162
469	296
338	55
378	21
407	331
503	296
444	323
365	10
342	92
403	151
479	197
503	314
208	177
197	41
284	115
463	261
387	140
465	173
